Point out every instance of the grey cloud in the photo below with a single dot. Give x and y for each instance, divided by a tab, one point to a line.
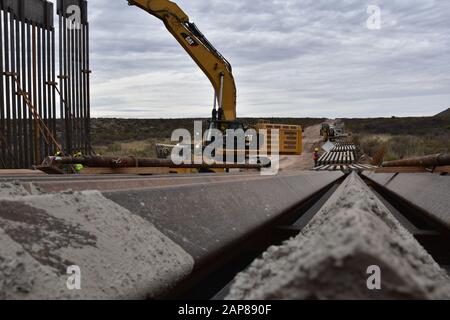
290	58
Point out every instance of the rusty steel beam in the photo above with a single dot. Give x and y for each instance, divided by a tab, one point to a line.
53	80
28	82
33	97
23	68
39	106
6	66
78	113
3	104
43	79
401	170
87	94
15	48
123	182
132	162
443	170
212	225
29	90
427	161
74	78
427	192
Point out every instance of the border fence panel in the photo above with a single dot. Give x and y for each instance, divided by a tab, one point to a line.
42	112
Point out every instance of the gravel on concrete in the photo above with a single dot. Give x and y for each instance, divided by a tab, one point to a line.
329	259
11	189
121	256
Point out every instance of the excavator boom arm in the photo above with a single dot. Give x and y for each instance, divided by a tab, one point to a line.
213	64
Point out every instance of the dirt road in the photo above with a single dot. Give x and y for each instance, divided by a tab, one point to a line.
311	140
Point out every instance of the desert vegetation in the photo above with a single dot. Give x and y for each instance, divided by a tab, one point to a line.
402	137
402	146
399	137
138	137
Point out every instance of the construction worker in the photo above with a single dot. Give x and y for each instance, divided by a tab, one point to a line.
316	156
78	167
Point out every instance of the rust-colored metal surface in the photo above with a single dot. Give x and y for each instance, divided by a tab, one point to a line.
186	207
430	193
132	162
40	115
401	170
127	183
211	217
443	169
20	172
137	171
206	218
427	161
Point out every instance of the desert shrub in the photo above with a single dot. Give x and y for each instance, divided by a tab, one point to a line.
356	139
404	146
371	146
368	145
147	152
114	148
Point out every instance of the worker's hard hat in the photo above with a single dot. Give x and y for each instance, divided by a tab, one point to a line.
316	150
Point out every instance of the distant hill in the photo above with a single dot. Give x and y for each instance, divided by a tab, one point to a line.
443	114
416	126
107	131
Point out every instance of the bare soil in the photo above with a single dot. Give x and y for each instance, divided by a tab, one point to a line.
311	140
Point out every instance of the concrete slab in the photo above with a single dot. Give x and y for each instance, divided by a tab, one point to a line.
206	219
135	243
331	257
120	255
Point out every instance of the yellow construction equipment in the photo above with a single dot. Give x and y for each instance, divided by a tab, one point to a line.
216	68
290	137
327	132
213	64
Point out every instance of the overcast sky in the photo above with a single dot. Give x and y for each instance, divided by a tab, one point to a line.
291	58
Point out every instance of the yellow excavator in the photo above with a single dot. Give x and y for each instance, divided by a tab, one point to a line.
217	69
